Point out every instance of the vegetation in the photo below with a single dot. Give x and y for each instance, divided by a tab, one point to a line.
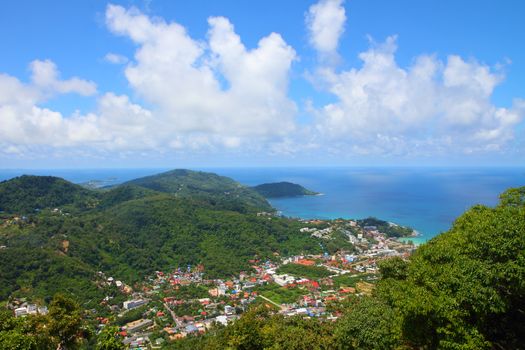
351	281
62	328
281	295
131	231
131	315
109	339
462	290
310	272
257	329
282	189
197	184
391	230
25	194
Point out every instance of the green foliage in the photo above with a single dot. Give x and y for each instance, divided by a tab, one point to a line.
22	333
62	328
391	230
191	291
395	268
132	315
310	272
258	329
513	197
197	184
464	289
282	189
368	323
65	321
109	339
124	193
26	193
133	231
281	295
338	241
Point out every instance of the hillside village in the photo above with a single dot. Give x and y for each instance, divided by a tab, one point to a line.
170	305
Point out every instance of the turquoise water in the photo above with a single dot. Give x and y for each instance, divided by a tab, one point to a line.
427	199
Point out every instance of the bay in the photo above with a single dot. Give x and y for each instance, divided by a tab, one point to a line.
427	199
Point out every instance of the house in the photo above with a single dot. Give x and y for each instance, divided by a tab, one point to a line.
229	310
191	329
138	325
305	262
21	311
132	304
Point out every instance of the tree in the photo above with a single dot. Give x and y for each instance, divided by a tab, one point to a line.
25	333
368	323
395	268
65	322
109	339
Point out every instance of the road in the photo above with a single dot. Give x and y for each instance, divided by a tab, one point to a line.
272	302
173	316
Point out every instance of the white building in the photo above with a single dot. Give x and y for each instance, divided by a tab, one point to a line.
131	304
21	311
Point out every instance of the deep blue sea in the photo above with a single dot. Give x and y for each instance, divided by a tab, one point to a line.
427	199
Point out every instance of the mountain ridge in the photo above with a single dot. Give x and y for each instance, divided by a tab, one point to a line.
282	189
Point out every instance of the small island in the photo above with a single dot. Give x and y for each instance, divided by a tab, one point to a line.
283	189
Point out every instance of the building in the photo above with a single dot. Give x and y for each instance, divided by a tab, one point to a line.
229	310
21	311
138	325
132	304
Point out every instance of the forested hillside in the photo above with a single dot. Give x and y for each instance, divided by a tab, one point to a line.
26	193
282	189
130	231
464	289
188	183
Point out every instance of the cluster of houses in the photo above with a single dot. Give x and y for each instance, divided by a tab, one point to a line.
218	301
21	308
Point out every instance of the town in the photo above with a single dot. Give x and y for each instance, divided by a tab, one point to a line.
170	305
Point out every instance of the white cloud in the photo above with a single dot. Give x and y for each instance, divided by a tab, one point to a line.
45	76
208	95
217	87
217	96
25	126
325	22
116	58
431	106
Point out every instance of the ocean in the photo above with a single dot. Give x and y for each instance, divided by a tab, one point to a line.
426	199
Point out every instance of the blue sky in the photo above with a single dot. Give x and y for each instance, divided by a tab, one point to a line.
206	83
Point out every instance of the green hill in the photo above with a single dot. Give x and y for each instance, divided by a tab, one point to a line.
133	229
464	289
123	193
27	193
188	183
282	189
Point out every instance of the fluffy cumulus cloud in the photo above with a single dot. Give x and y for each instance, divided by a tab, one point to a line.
45	76
23	122
213	94
217	95
325	22
432	106
218	87
27	127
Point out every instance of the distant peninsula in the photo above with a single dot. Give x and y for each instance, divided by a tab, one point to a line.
283	189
